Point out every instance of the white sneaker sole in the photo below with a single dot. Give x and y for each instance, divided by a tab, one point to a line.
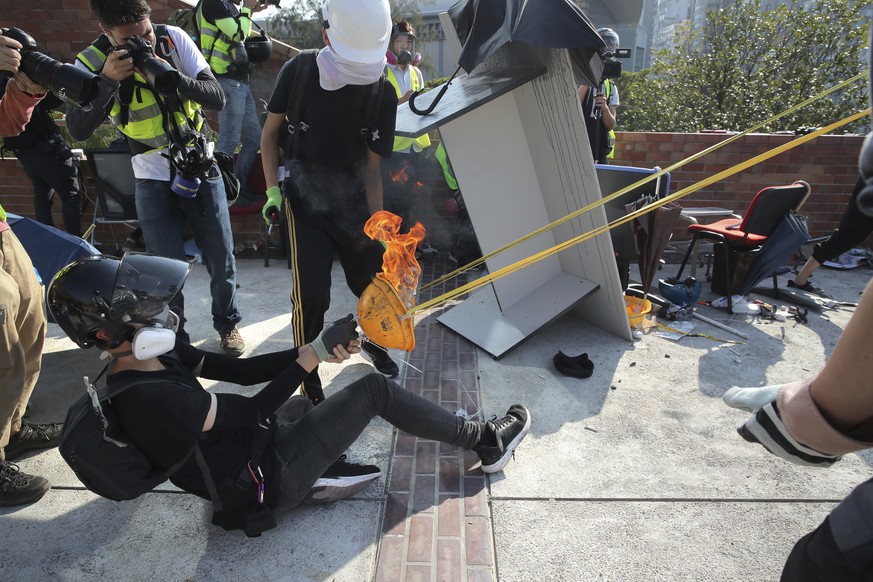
326	490
509	450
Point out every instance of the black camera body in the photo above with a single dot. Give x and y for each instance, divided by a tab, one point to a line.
161	76
68	82
611	64
270	2
191	163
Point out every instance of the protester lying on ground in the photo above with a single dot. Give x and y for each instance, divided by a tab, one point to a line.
122	307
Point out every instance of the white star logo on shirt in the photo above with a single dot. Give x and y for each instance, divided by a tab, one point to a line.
375	135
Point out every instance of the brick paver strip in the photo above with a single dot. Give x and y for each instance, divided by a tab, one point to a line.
437	522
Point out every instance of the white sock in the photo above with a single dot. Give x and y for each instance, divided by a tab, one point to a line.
750	399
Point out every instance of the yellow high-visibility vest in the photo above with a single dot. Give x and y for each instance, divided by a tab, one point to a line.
402	143
145	122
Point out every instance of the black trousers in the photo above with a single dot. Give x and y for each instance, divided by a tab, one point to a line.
818	557
854	228
315	237
50	167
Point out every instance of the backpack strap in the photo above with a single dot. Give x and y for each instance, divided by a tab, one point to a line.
165	48
372	111
302	75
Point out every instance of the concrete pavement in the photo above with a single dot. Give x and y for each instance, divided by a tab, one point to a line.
633	474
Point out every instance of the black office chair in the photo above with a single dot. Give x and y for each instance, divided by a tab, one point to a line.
114	184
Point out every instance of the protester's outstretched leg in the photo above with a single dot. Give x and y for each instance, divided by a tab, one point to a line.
310	445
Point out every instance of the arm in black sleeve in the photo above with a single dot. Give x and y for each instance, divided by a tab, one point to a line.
80	123
247	371
235	411
204	90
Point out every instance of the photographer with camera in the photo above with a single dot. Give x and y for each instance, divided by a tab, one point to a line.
48	161
154	97
224	29
22	315
599	105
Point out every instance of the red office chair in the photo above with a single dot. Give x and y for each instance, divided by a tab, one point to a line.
766	210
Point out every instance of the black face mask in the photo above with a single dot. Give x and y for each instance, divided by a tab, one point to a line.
404	58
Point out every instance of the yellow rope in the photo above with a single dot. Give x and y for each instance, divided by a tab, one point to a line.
643	181
518	265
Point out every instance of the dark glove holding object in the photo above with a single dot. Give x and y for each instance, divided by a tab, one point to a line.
340	332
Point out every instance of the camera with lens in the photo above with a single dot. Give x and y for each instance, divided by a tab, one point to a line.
70	83
160	75
611	64
191	162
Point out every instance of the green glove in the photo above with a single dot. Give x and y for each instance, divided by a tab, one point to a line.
274	202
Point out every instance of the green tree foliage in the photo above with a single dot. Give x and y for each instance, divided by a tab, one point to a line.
299	22
749	64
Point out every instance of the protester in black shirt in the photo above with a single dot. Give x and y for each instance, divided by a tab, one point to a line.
344	126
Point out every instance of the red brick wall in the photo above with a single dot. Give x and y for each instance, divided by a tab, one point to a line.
828	163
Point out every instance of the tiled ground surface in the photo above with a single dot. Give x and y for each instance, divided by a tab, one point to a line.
437	522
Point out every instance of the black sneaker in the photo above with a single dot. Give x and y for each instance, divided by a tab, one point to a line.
17	488
340	481
809	288
32	437
508	432
380	358
765	428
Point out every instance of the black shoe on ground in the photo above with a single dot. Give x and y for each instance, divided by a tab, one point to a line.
380	358
33	437
809	288
507	433
340	481
17	488
577	366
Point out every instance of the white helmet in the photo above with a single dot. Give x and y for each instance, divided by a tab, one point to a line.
358	30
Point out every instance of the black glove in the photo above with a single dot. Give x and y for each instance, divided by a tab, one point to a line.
339	332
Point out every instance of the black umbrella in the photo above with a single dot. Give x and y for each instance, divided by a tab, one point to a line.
50	249
785	240
651	232
483	26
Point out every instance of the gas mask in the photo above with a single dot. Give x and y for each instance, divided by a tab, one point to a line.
405	56
157	336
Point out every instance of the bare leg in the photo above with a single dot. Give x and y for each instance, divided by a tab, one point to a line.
805	271
842	390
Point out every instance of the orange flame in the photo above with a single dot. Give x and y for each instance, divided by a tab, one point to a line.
399	266
399	176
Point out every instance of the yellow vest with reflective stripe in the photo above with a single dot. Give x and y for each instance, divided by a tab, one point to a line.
607	86
215	45
402	143
145	122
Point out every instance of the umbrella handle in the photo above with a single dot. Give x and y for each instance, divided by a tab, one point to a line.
436	99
